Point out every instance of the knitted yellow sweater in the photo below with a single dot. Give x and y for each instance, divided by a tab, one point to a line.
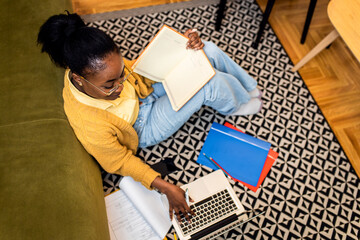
109	139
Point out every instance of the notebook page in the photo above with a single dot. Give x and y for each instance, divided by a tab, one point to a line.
149	203
125	222
189	76
162	54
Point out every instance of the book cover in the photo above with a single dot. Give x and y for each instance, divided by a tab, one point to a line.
270	159
240	155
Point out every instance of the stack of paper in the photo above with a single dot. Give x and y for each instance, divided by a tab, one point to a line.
134	212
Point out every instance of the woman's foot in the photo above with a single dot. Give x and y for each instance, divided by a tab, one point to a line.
251	107
256	93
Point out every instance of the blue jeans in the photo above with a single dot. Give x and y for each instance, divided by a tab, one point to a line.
225	92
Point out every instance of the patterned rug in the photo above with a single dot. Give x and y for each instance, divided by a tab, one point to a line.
312	191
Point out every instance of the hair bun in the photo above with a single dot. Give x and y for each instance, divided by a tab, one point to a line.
72	24
71	44
54	33
69	30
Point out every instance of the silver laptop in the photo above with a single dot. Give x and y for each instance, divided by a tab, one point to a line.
217	209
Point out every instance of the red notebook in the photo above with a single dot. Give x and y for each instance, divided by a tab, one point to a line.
272	156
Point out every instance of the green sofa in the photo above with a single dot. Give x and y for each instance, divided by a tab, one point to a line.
50	187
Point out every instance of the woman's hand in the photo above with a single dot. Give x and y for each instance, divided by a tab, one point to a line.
176	198
194	40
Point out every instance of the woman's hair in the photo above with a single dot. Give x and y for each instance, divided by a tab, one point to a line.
72	44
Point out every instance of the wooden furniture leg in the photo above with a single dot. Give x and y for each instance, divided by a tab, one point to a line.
318	48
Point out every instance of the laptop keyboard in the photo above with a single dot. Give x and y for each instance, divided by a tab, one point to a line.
207	211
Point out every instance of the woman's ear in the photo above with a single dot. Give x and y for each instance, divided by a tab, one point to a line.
77	78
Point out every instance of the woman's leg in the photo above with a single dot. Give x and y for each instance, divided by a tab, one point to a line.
227	92
157	120
222	62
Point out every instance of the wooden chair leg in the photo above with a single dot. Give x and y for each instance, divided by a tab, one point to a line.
318	48
220	14
267	12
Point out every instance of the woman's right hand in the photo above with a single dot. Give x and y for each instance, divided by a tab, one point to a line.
176	198
194	40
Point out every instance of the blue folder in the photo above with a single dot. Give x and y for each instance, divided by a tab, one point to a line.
240	155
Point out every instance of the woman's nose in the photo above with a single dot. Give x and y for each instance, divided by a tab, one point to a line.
120	88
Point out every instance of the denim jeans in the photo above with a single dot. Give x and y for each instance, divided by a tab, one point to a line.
225	92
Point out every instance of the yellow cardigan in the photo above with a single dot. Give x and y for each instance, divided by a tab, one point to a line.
109	139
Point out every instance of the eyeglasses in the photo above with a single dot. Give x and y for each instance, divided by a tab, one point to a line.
116	87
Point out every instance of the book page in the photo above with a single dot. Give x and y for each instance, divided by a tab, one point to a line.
149	203
189	76
125	222
162	54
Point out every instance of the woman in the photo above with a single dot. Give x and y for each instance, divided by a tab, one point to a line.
114	111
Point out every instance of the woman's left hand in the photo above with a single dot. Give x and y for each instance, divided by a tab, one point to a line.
194	40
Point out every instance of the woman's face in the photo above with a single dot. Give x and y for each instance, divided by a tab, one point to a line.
105	78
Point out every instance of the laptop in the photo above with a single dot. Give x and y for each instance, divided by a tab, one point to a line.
217	209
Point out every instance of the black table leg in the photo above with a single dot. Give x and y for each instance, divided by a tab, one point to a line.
267	12
220	14
308	20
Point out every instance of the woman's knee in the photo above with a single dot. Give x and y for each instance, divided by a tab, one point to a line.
159	89
211	49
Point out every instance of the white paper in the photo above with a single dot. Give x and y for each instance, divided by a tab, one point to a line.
183	72
125	222
165	51
149	203
134	212
188	82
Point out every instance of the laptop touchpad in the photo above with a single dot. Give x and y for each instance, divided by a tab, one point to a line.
203	188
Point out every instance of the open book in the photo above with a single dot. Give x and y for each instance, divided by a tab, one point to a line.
182	71
134	212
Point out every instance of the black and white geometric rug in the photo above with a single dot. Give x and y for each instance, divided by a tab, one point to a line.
312	191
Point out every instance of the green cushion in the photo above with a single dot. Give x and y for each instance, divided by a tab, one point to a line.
50	188
49	184
30	96
20	23
30	83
